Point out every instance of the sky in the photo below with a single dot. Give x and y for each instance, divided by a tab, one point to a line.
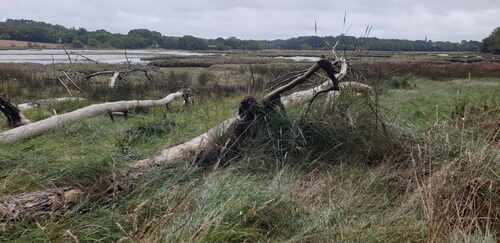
446	20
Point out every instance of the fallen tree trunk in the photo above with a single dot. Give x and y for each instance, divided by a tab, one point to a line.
39	127
202	142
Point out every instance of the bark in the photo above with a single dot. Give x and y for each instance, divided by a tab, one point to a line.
39	127
34	204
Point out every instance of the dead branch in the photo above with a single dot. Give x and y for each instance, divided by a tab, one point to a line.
121	74
57	121
67	54
71	81
112	81
15	117
65	86
204	141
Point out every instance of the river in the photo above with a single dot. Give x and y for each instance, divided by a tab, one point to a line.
49	56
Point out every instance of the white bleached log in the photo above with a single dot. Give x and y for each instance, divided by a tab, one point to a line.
39	127
112	81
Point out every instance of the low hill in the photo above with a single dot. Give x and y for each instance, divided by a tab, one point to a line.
29	30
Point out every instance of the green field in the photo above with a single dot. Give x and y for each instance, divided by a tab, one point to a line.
416	160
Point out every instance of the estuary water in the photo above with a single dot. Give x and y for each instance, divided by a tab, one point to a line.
48	56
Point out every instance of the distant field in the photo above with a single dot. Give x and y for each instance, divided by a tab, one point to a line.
12	44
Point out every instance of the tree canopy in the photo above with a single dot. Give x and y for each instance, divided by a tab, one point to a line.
33	31
491	43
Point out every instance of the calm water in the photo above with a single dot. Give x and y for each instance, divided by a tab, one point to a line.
301	58
102	56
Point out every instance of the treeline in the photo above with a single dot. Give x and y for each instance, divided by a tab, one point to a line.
33	31
491	43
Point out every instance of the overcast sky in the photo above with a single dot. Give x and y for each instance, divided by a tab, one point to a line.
452	20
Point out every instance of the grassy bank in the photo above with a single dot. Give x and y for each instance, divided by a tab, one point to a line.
422	166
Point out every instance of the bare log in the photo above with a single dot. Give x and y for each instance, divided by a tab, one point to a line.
53	122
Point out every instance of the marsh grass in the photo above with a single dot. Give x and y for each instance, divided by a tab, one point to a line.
416	165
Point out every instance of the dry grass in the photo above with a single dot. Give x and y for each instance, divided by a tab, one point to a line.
13	44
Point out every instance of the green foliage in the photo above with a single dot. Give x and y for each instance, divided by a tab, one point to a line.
492	43
28	30
404	82
205	77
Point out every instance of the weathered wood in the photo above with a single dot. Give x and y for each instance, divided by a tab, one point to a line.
112	81
35	204
39	127
123	73
71	81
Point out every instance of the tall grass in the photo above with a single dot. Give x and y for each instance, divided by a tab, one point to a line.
412	165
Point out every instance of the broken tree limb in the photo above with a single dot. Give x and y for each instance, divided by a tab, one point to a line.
123	73
53	122
65	86
71	81
15	117
112	81
204	141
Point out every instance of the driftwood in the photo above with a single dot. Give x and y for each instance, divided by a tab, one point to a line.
15	117
206	140
39	127
120	74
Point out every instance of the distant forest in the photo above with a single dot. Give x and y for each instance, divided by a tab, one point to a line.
33	31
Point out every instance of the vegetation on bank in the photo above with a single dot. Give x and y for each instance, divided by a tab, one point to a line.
415	161
33	31
492	42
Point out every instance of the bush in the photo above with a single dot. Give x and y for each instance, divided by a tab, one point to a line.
205	77
404	82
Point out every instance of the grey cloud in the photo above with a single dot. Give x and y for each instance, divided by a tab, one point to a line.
265	19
